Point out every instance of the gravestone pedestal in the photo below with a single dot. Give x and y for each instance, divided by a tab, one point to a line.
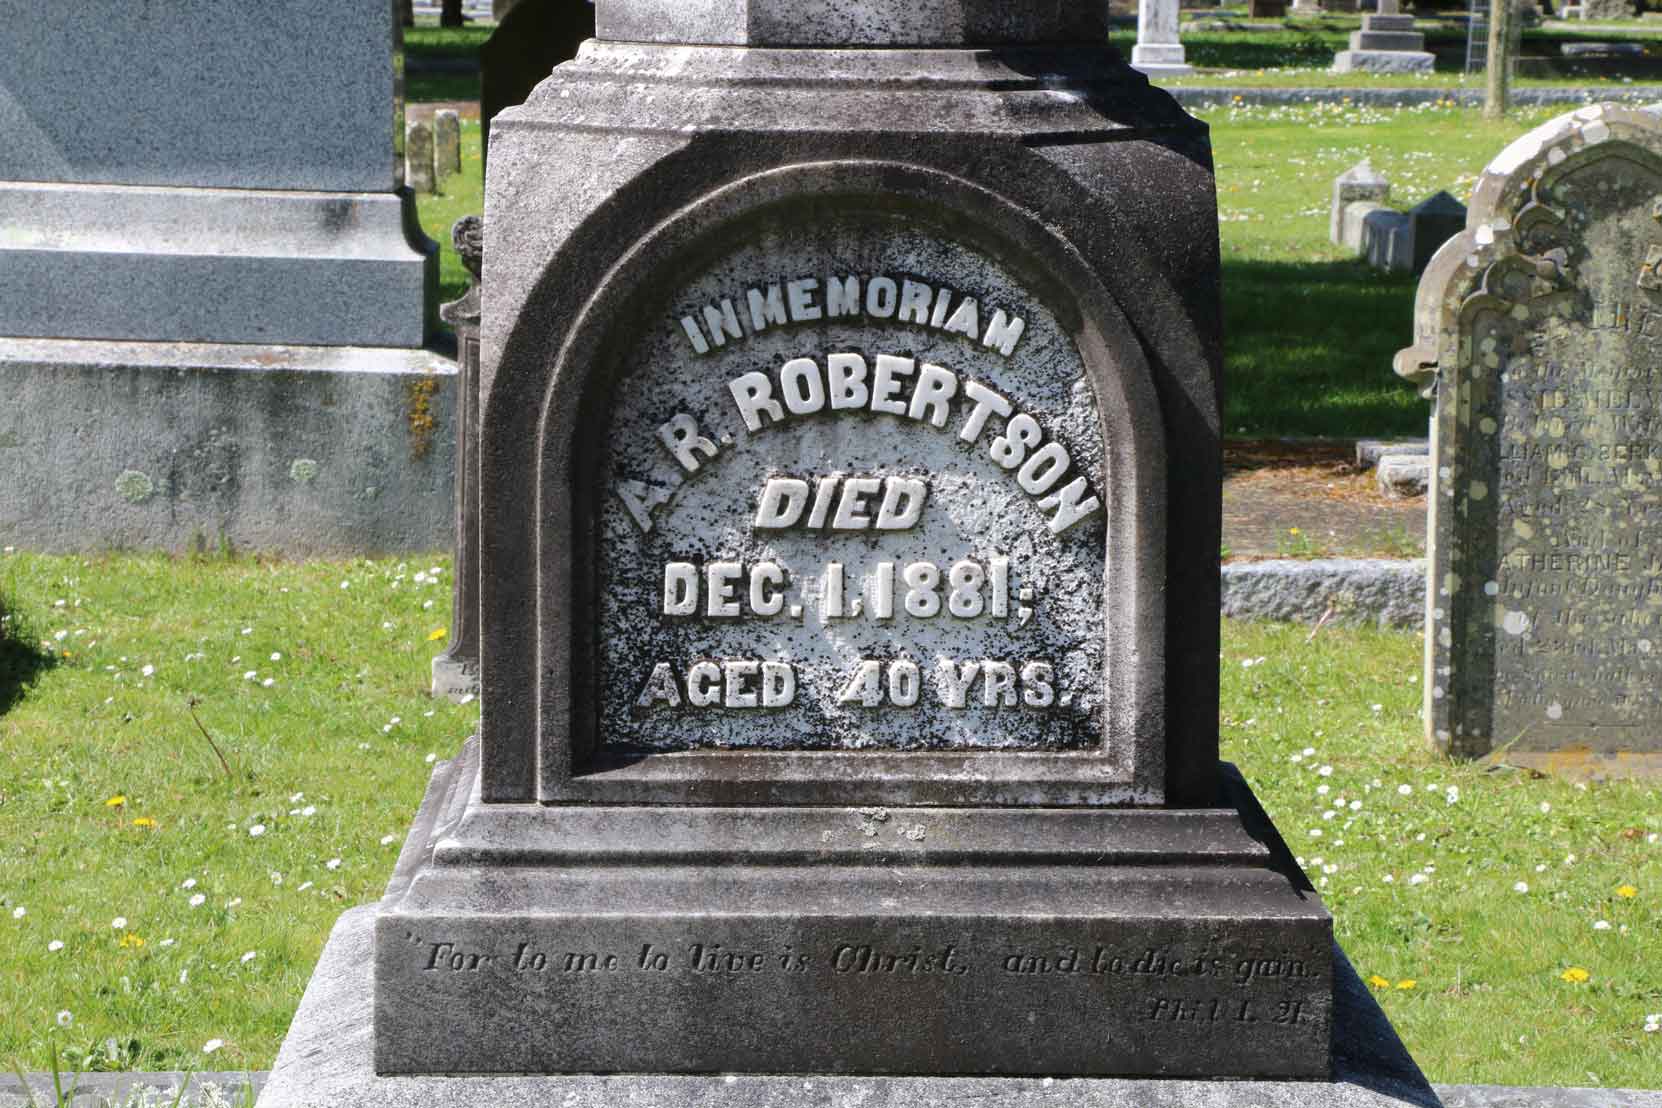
1387	43
849	493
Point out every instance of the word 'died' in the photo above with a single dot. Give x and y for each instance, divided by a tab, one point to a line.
790	502
806	300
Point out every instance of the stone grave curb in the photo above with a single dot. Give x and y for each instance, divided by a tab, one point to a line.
1385	592
1223	96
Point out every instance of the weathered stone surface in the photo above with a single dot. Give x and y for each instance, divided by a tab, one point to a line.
1540	330
1432	222
421	171
1602	49
831	23
1404	475
1370	451
213	265
849	489
290	450
1360	183
326	1062
227	95
1382	61
236	184
447	144
1348	591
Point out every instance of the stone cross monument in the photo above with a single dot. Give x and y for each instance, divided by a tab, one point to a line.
849	497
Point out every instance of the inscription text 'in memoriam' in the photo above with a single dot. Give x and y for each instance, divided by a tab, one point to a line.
853	511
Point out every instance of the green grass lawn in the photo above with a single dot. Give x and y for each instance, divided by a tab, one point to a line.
191	900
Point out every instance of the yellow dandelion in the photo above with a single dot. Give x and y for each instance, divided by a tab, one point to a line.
1292	530
116	801
1627	892
437	634
130	940
144	821
1575	975
1407	983
1379	982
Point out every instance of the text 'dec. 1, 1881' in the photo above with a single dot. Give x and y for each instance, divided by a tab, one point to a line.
853	497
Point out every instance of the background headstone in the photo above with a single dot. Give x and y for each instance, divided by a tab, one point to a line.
1387	43
1539	329
1363	184
1432	222
1158	51
1598	10
534	37
420	156
447	145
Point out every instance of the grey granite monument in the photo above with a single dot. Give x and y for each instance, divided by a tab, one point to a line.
849	495
1387	43
1539	332
213	293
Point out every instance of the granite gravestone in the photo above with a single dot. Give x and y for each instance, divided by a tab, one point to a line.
849	496
1539	331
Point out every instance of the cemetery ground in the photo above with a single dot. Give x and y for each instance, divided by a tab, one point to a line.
208	759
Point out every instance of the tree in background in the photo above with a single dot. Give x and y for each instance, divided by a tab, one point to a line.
406	12
451	14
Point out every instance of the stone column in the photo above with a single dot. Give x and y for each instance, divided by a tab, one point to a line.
1158	51
456	671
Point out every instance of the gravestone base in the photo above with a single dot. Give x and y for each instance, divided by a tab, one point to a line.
1160	60
1383	61
327	1062
530	939
291	450
216	265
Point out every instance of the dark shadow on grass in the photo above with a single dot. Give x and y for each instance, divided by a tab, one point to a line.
1308	349
21	661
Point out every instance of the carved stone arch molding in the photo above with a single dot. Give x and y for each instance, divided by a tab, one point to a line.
539	728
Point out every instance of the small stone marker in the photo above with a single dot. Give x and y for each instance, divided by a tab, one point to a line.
420	169
1539	330
1432	222
1158	52
447	145
1361	184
